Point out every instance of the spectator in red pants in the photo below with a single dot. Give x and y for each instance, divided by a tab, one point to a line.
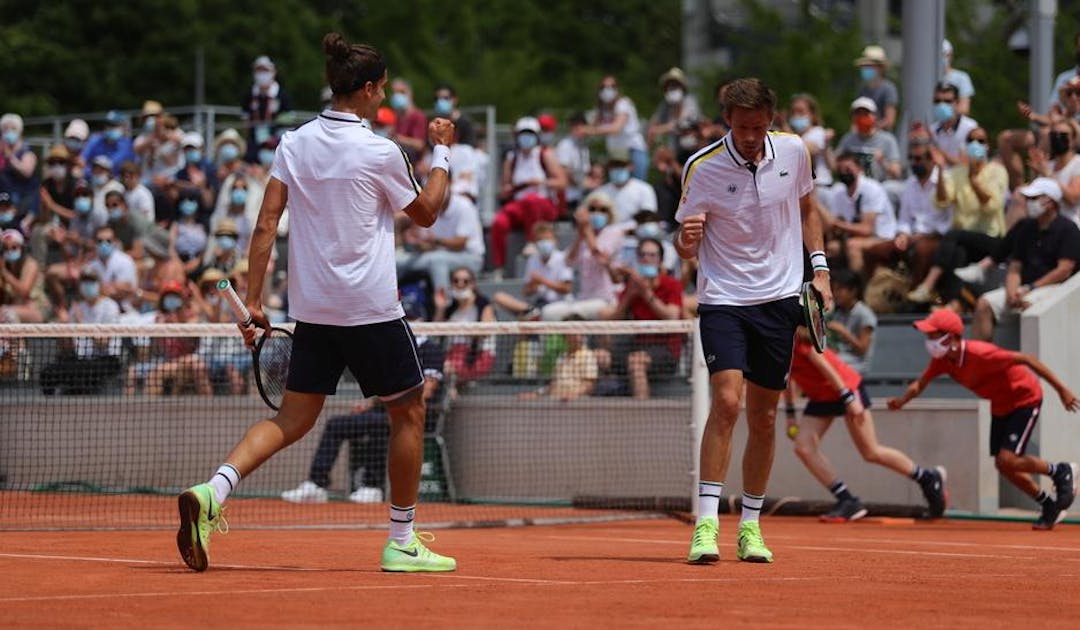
533	182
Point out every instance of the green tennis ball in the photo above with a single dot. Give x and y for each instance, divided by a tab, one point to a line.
792	431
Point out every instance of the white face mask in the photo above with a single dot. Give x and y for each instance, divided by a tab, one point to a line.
608	94
1035	208
939	347
461	295
674	96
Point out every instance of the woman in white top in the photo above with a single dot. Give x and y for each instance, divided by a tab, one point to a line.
617	120
804	120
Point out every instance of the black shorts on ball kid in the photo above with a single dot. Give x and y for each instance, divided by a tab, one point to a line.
833	408
756	339
381	356
1012	431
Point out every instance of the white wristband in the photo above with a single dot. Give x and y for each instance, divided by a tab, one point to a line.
440	157
818	261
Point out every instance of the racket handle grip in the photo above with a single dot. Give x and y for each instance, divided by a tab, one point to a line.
242	314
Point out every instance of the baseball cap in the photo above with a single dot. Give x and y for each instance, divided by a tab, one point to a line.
192	139
946	47
864	102
942	320
115	118
618	156
103	161
12	236
151	108
386	117
172	286
547	122
527	123
77	129
1042	186
262	61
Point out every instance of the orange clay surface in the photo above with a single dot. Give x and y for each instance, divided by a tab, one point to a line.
877	573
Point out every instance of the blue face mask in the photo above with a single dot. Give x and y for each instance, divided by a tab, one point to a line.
444	106
619	176
13	255
89	290
149	124
74	145
11	136
7	216
545	247
238	196
83	205
526	141
598	220
799	123
867	73
113	134
977	151
399	101
116	214
648	271
227	243
193	156
943	112
648	230
187	207
266	157
171	303
100	179
228	152
105	249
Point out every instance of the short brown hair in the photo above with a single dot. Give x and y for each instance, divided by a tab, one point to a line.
748	93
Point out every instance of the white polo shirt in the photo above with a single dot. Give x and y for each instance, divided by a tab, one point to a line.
344	185
752	251
918	212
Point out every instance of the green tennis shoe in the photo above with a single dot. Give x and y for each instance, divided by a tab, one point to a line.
703	548
751	546
200	516
415	557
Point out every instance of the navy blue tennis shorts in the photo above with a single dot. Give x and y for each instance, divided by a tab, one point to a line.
1013	430
756	339
381	356
833	408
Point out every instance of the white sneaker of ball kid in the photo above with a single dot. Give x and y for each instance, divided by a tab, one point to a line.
972	274
366	495
306	492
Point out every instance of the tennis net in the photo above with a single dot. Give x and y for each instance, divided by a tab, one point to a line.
103	425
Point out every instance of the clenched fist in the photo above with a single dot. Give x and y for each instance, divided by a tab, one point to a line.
441	131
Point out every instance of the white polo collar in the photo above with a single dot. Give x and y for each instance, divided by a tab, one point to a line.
740	161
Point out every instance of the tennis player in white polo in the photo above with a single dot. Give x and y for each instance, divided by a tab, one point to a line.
747	209
343	184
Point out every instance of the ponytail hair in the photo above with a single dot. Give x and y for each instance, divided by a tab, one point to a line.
350	67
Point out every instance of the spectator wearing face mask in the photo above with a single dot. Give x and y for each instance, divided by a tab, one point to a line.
592	254
384	123
677	110
532	180
158	144
129	228
113	143
629	194
548	278
572	152
102	181
446	106
616	119
75	136
22	284
411	128
1060	163
860	214
114	267
468	357
222	253
57	198
83	364
954	76
875	148
804	119
229	152
169	363
646	224
951	128
189	235
74	244
872	66
18	165
198	172
239	199
1042	251
262	104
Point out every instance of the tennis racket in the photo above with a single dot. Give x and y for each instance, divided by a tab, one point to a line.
813	308
270	358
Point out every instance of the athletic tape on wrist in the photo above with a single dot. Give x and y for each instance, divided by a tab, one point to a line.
818	261
440	157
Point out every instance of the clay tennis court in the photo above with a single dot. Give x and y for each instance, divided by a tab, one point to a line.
877	573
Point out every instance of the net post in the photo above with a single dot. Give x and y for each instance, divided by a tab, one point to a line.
699	407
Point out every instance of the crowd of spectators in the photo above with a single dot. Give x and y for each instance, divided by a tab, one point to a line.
133	222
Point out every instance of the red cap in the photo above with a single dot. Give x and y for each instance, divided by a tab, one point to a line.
547	122
386	117
942	320
172	286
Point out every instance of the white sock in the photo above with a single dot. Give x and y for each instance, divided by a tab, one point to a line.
224	481
709	499
751	506
401	524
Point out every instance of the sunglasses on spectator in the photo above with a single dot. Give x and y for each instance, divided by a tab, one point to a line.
461	281
1071	92
944	100
598	208
979	140
56	163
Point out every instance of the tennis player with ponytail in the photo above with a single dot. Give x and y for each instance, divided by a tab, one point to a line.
343	184
747	211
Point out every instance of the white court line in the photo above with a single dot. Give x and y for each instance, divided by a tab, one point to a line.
905	552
